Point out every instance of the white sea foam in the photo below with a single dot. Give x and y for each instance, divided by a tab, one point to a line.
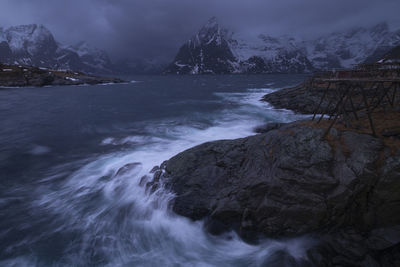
39	150
122	224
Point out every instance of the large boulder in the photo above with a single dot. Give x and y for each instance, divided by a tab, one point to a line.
290	181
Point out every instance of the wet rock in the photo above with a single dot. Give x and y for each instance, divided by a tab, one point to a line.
268	127
283	258
280	179
289	182
127	168
301	98
144	180
155	169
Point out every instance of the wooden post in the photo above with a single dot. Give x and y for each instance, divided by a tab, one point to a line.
352	104
368	112
320	102
337	112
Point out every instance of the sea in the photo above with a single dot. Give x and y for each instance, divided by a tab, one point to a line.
61	202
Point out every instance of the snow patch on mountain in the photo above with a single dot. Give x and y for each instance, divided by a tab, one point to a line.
217	50
30	38
91	56
35	45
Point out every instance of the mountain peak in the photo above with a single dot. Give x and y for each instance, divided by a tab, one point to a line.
82	48
34	44
244	52
30	37
29	29
210	32
380	28
211	26
212	22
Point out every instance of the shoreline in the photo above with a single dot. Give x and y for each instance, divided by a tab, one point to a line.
57	85
290	180
12	76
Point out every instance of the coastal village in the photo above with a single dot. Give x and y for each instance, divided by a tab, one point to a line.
21	76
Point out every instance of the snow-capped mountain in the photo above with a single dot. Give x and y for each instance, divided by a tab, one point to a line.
344	50
34	45
91	56
207	52
217	50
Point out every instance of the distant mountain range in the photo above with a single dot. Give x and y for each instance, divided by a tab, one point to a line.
213	49
218	50
34	45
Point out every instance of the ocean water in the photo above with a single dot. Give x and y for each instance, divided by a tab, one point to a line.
61	203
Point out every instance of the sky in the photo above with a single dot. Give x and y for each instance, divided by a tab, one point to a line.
155	29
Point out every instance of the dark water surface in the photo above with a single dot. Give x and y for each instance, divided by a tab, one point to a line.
60	147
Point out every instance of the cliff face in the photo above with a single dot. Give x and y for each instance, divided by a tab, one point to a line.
289	181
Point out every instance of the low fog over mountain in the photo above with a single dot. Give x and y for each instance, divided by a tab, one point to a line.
146	35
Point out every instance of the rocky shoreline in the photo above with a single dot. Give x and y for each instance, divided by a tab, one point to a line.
21	76
291	180
300	98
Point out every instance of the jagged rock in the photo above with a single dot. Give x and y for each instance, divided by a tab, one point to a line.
155	168
127	168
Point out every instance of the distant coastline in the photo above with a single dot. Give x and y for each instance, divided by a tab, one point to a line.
23	76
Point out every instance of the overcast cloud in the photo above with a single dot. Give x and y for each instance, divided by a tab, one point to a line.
156	28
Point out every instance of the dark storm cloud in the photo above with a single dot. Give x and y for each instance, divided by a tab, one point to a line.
156	28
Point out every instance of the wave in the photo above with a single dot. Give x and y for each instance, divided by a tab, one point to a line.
114	221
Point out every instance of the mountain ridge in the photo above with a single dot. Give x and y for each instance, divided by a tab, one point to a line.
35	45
279	54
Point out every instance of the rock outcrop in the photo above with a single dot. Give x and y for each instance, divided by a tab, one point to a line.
306	97
344	190
301	98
